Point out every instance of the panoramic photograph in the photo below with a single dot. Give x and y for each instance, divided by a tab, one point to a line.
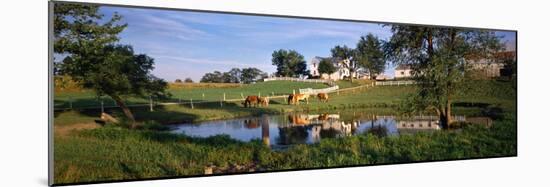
149	93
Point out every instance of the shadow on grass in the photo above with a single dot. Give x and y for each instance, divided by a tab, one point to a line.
176	114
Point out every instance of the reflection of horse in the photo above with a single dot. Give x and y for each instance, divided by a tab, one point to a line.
323	97
297	119
337	128
323	117
296	98
251	123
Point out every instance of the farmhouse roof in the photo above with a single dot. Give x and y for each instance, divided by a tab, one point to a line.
403	67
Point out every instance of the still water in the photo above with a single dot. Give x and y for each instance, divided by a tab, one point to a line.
288	129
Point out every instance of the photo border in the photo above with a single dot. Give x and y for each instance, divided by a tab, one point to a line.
51	163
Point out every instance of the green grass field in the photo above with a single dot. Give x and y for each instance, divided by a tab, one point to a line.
86	152
87	98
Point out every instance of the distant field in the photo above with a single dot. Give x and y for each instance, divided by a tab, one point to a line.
347	84
187	91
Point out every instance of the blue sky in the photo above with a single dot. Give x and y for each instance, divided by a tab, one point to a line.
189	44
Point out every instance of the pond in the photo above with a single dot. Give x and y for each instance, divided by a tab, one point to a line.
288	129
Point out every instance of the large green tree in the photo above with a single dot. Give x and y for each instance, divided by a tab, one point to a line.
438	58
370	55
91	56
289	63
326	66
348	54
249	75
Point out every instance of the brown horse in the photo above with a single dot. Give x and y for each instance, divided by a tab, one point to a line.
251	100
323	97
300	97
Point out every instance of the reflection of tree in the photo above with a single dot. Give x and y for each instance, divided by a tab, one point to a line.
292	135
329	133
265	130
380	131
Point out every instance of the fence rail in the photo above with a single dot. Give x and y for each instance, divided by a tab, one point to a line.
394	83
106	104
316	91
328	82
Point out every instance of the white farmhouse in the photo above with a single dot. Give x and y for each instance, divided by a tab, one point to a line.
487	68
403	71
341	71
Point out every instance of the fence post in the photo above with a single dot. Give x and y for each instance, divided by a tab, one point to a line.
223	96
192	107
221	103
272	93
259	94
293	92
202	96
242	96
102	109
70	102
150	104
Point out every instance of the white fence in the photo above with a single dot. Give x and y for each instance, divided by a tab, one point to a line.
394	83
312	91
329	82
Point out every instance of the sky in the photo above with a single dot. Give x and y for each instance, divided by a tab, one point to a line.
190	44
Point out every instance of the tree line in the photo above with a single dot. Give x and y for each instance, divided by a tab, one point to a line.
235	75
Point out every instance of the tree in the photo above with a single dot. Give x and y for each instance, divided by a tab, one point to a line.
438	58
347	54
94	60
188	80
326	66
232	76
178	81
215	77
289	63
370	55
250	75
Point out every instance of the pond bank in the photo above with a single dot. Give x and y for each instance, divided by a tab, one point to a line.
114	153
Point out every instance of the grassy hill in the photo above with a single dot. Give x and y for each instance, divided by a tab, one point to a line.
185	92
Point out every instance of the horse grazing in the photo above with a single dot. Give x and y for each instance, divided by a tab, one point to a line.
251	100
264	101
323	97
296	98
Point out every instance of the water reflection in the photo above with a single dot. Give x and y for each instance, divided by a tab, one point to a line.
310	128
